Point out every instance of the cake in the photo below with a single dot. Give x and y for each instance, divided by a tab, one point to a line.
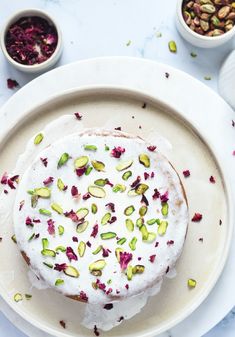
100	216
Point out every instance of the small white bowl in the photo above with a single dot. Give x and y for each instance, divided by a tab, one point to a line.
36	68
195	38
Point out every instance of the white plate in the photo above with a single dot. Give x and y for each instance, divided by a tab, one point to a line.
145	76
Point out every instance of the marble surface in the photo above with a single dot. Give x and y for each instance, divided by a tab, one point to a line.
94	28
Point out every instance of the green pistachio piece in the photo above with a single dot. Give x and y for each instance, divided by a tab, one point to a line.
14	238
82	227
172	46
71	271
117	253
60	249
45	243
31	237
44	211
129	210
90	147
97	192
38	139
43	192
164	209
139	222
105	219
106	148
151	237
94	208
109	281
138	269
192	283
48	252
98	165
141	189
61	230
144	159
129	225
158	221
60	185
108	235
96	272
49	265
143	210
132	193
81	248
119	188
59	282
81	162
162	227
88	170
98	249
97	265
132	243
129	273
144	232
82	213
121	241
123	165
57	208
18	297
100	182
63	159
151	222
126	175
31	192
34	200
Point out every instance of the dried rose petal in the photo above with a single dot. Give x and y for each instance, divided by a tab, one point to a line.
4	178
146	175
167	269
28	221
212	179
127	286
95	230
233	123
139	258
110	206
70	254
118	128
136	182
83	296
164	197
48	181
62	323
36	220
108	306
144	200
78	115
86	196
96	332
151	148
100	285
234	153
125	258
74	192
152	174
156	244
197	217
5	192
72	215
44	161
106	252
12	84
156	194
200	239
117	152
80	171
109	291
170	242
109	183
186	173
152	258
113	219
75	239
51	227
88	244
60	267
21	205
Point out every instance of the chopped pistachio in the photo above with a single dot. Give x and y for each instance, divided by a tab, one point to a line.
138	269
45	243
44	211
129	225
88	170
98	165
106	148
96	272
61	230
144	159
139	222
129	210
151	222
109	281
193	54
151	237
192	283
97	250
31	192
81	162
126	175
31	237
48	252
144	232
90	147
82	227
38	139
43	192
97	192
143	210
100	182
105	219
129	273
93	208
108	235
14	238
49	265
158	221
97	265
60	249
28	296
123	165
60	185
207	78
81	248
59	282
158	34
63	159
162	227
132	243
141	189
132	193
121	241
119	188
128	43
57	208
117	253
172	46
18	297
82	213
71	271
164	209
34	200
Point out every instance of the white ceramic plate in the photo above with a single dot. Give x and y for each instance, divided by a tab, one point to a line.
189	151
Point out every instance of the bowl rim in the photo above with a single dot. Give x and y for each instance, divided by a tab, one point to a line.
30	12
224	36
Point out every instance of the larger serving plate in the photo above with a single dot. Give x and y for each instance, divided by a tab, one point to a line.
194	146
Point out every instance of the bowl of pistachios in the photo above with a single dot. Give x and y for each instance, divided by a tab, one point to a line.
206	23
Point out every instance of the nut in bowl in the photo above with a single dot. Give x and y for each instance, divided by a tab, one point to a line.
206	23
